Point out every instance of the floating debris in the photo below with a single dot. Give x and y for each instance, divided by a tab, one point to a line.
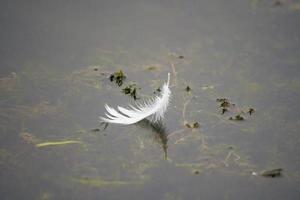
95	129
207	87
181	57
250	111
188	89
157	91
224	110
131	91
224	104
238	117
45	144
272	173
222	99
104	124
192	125
227	106
118	77
188	125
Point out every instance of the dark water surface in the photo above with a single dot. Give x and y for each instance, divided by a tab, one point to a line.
55	59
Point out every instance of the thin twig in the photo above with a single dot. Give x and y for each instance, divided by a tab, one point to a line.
174	73
184	109
231	153
227	158
203	141
183	138
237	157
176	132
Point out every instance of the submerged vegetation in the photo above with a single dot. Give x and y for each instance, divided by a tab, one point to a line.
117	77
227	106
131	90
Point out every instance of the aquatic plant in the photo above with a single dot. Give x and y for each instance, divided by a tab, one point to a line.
118	77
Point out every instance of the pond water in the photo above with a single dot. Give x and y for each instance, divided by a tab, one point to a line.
55	61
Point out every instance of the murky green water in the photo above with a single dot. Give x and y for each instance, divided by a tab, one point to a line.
55	60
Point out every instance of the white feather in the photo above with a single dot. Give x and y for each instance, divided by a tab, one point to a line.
154	108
